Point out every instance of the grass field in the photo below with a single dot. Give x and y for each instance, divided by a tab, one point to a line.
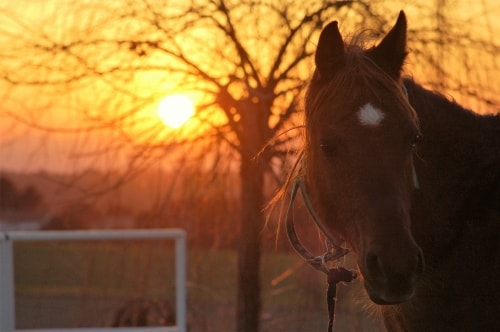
85	284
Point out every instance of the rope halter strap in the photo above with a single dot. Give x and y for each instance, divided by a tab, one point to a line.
334	250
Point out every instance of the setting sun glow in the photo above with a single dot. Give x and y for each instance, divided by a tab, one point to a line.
174	110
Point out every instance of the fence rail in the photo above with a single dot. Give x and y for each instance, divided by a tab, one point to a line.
7	311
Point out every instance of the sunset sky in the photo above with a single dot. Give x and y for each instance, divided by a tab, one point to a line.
60	143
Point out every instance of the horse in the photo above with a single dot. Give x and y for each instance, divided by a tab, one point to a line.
410	180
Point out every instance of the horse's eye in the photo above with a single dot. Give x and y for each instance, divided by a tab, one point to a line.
327	148
415	140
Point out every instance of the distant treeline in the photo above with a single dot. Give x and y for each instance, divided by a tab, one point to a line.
14	198
152	200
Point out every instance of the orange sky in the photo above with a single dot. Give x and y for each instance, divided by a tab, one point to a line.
23	148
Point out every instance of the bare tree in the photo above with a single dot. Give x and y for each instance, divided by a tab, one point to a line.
247	61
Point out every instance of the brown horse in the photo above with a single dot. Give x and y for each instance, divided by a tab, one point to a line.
402	173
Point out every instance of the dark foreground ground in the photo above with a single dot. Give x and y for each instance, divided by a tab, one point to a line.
66	311
86	286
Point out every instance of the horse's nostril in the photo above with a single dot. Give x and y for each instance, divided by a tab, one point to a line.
373	265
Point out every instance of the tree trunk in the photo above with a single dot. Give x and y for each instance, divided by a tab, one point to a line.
249	250
252	139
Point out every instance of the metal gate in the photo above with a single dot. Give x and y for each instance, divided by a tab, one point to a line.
7	309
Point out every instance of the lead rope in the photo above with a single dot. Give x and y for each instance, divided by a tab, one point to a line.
335	276
334	251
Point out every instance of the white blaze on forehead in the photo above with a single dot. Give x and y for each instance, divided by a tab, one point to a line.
370	116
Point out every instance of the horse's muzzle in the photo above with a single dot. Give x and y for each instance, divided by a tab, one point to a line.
391	279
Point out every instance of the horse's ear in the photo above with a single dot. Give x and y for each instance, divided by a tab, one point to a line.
329	56
390	54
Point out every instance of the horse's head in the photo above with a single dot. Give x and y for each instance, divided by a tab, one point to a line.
360	133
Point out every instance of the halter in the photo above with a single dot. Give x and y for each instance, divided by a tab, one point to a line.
333	244
334	250
416	184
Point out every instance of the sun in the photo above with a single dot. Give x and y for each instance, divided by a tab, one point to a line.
175	110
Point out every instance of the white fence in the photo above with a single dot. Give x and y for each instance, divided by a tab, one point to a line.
7	311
